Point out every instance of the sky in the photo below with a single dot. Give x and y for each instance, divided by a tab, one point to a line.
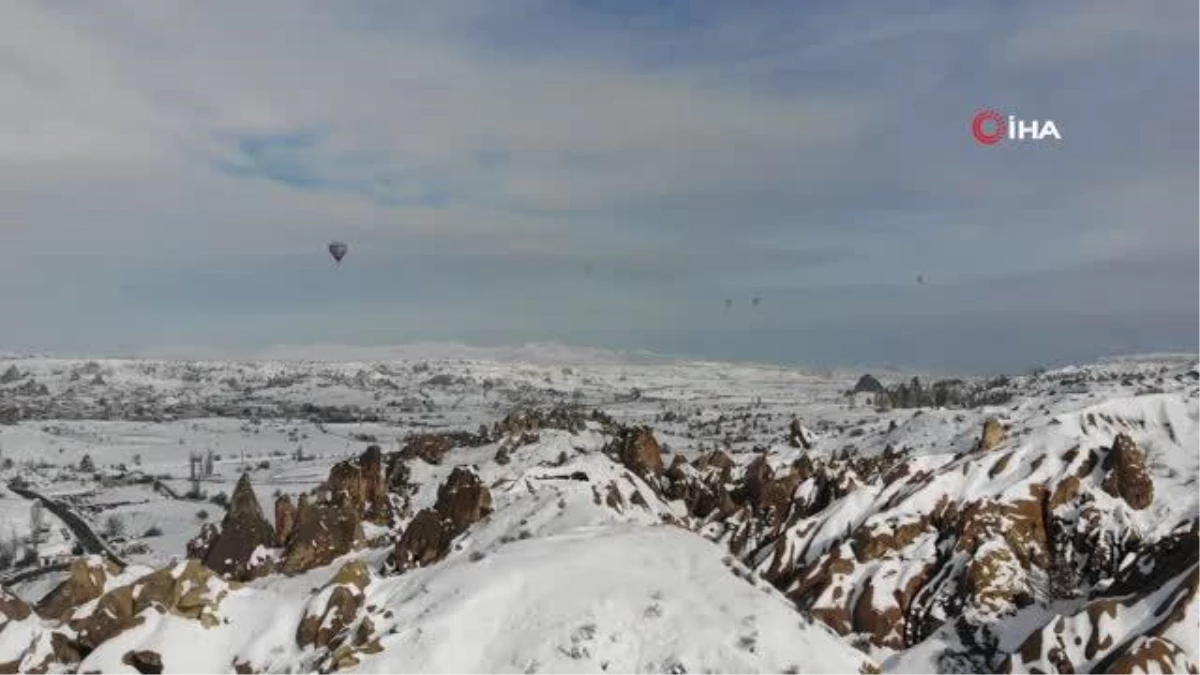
603	174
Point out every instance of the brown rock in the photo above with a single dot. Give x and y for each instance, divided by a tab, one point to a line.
377	504
430	448
12	608
993	434
1149	655
189	590
325	625
754	481
85	583
243	531
285	518
344	485
1127	476
354	573
65	650
463	500
144	661
425	541
639	451
796	436
322	533
199	545
715	465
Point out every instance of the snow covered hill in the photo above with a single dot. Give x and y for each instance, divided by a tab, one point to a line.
533	515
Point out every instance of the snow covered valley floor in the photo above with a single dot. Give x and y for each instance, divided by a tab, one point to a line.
596	515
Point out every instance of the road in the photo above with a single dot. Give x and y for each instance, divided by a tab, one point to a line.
87	538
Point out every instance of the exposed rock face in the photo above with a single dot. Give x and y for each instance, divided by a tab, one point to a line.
956	543
198	546
285	518
639	451
322	624
993	434
243	531
797	437
322	533
377	505
425	541
702	485
144	661
1127	475
85	583
526	423
430	448
463	500
188	590
12	608
334	621
360	483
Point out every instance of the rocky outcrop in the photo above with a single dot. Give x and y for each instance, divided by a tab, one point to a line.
430	448
425	541
85	582
234	552
144	661
334	622
199	545
993	434
188	590
1127	476
638	450
797	436
323	532
285	518
12	608
360	484
462	501
529	421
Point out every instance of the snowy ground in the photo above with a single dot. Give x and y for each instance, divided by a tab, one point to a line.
579	590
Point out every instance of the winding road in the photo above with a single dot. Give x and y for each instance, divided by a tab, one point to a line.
87	538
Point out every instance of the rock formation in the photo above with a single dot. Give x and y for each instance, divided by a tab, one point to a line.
244	531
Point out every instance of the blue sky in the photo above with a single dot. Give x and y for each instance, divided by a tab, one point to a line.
604	174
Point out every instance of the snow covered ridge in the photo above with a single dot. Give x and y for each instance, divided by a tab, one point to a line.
723	519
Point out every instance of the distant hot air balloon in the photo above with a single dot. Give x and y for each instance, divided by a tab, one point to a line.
728	303
921	279
338	249
755	300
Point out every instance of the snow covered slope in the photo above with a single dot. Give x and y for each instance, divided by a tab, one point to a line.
608	516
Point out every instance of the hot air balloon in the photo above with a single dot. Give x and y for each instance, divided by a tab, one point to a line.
338	249
728	303
755	300
921	279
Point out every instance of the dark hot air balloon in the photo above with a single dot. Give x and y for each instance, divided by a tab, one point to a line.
338	249
755	300
921	279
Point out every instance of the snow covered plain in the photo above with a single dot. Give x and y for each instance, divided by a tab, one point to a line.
892	546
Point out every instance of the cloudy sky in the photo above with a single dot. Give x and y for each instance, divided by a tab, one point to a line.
602	174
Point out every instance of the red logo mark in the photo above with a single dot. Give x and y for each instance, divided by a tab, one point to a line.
988	127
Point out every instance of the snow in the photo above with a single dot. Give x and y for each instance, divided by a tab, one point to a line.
555	579
620	598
